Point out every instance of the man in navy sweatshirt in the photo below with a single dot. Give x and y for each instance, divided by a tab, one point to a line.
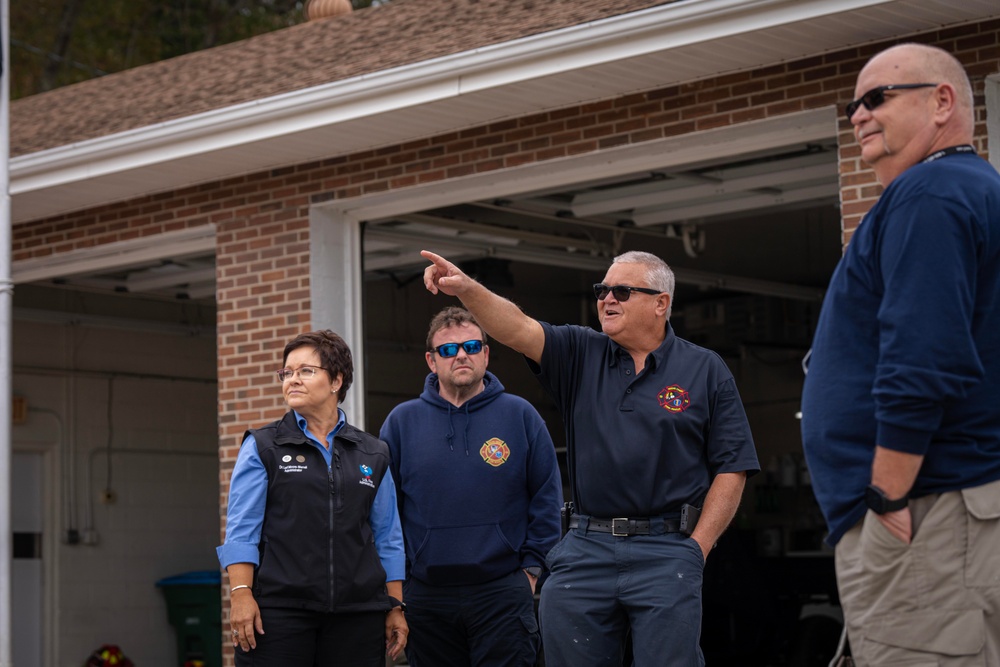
479	494
901	404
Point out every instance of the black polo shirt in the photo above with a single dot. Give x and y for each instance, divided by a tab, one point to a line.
643	445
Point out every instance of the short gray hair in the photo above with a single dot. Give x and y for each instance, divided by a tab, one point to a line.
658	273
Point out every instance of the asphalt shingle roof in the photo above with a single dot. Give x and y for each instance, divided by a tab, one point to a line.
314	53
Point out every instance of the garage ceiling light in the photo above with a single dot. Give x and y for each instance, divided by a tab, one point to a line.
411	243
192	242
818	167
744	203
170	275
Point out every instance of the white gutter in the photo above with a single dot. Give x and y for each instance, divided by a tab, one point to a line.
578	47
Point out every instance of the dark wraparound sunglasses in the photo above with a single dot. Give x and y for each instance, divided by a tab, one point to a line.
449	350
621	292
875	97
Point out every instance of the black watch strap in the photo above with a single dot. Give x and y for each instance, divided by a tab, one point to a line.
878	502
397	604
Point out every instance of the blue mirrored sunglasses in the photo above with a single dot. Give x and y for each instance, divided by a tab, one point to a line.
449	350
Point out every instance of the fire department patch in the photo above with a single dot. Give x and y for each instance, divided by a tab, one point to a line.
495	452
674	398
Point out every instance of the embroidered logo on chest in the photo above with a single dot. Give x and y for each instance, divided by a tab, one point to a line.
674	398
495	452
366	476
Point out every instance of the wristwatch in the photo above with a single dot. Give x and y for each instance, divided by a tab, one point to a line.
397	604
879	503
534	571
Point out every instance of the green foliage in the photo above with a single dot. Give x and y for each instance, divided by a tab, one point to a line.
58	42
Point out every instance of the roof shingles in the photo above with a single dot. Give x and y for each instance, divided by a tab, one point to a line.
303	56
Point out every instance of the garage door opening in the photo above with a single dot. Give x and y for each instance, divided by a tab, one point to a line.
753	239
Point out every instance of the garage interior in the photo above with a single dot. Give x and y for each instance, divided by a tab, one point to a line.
753	241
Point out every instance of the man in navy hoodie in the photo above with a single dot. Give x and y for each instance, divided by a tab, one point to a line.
479	493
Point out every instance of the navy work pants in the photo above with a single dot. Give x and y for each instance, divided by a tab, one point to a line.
298	638
600	585
481	625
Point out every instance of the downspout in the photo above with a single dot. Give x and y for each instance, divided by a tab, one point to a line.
6	364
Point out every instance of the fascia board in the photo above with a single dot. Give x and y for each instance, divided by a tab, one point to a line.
648	31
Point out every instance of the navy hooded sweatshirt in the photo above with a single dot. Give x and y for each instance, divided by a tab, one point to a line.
478	486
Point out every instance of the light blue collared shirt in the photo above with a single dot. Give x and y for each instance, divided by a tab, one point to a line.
248	497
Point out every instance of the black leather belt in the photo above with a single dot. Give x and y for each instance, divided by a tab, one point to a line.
627	526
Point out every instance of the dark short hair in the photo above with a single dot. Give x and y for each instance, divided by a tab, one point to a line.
452	316
334	354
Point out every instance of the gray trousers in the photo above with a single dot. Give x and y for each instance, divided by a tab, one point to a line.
934	602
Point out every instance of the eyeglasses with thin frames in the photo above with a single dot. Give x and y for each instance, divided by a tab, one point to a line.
875	97
449	350
621	292
304	372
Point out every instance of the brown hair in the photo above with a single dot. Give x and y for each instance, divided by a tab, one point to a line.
452	316
335	357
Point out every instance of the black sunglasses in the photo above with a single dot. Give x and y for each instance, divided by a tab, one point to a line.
449	350
621	292
876	96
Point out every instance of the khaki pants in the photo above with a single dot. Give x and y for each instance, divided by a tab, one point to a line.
935	602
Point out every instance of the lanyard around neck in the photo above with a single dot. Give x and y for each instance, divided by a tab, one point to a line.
951	150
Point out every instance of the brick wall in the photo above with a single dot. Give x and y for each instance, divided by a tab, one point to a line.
262	220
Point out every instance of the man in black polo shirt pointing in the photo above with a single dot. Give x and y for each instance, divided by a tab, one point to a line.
655	429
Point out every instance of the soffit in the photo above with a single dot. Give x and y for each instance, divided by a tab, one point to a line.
646	49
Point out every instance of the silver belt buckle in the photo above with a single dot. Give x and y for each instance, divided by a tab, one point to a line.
615	523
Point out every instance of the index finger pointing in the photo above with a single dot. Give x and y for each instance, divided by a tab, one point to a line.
438	269
436	259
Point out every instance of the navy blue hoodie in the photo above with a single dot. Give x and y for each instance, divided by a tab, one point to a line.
478	486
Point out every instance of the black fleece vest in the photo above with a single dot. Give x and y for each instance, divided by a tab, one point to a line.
317	549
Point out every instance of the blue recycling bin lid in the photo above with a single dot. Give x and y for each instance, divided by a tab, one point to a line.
196	578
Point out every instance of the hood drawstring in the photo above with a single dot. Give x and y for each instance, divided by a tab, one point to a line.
432	394
450	437
466	433
451	431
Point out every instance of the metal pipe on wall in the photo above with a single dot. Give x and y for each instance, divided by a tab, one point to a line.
6	364
88	535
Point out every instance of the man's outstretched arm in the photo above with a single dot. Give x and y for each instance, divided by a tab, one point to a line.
498	317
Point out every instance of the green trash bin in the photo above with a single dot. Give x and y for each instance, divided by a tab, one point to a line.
194	608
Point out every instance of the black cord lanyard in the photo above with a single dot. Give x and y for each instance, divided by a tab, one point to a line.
951	150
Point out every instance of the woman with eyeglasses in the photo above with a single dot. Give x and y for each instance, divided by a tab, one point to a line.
313	545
